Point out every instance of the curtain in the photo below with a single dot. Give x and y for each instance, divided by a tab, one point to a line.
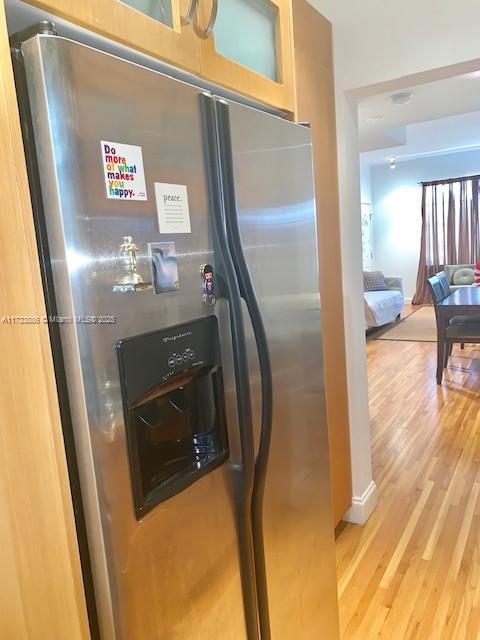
450	228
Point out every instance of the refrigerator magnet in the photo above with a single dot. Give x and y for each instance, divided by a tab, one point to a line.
164	266
209	298
172	208
123	171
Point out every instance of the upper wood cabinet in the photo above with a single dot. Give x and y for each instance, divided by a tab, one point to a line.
244	45
159	28
247	46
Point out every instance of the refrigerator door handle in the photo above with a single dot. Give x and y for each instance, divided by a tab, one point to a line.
247	291
232	292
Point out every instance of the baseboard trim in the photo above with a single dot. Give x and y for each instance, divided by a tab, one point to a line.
363	506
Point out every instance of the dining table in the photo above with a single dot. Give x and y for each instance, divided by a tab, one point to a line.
464	301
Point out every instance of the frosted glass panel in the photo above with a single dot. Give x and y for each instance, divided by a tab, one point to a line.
245	31
160	10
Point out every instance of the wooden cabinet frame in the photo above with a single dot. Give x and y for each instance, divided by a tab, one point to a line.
316	104
41	592
185	46
114	19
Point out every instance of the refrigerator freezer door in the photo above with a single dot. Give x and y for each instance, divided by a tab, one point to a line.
175	573
272	165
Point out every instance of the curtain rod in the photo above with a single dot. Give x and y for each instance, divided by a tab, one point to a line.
448	180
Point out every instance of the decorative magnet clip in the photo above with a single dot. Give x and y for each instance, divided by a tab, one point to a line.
208	297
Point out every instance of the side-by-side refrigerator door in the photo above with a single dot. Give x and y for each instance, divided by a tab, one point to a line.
120	154
270	211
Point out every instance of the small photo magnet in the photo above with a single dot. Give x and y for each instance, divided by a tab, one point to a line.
164	266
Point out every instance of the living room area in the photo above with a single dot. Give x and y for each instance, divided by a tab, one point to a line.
420	159
407	106
411	571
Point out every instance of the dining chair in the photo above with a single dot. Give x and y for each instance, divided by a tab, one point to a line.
461	329
445	285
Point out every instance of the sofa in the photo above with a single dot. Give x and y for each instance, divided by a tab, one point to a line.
459	275
383	307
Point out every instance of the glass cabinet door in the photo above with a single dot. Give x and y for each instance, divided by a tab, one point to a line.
160	10
246	31
246	45
160	28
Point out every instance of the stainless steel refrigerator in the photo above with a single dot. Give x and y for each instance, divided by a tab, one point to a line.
177	239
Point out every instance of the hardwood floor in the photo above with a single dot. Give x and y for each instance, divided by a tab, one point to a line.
413	572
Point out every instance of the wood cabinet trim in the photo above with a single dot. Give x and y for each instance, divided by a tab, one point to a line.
42	588
316	104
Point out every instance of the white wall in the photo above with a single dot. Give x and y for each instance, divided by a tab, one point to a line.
363	488
396	200
378	41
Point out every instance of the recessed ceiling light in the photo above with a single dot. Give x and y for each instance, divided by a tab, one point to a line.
404	97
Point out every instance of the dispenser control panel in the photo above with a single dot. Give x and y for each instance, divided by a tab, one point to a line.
152	358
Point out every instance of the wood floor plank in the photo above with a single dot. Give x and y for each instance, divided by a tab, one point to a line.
464	531
413	572
407	534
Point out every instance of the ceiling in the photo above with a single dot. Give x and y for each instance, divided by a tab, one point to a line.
442	117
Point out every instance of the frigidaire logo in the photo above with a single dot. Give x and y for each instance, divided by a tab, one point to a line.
177	336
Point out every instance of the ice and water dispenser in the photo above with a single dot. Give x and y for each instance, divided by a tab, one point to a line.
174	408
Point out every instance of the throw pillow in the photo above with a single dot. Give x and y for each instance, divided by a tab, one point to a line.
374	281
465	275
